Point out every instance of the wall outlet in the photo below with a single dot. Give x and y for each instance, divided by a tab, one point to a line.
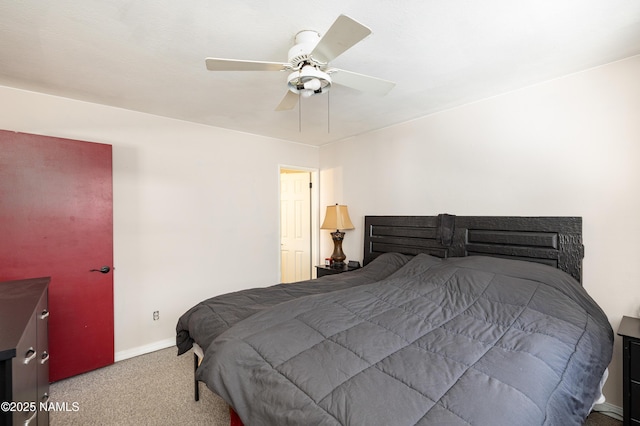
156	315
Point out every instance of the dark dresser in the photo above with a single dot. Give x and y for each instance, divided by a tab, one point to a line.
630	331
24	357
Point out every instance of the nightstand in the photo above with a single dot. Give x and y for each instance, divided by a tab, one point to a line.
322	270
630	331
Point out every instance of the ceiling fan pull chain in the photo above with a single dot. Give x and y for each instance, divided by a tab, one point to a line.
299	114
328	112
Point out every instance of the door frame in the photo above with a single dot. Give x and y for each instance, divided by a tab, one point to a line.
315	215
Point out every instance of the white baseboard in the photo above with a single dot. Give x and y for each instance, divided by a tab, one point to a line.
609	410
141	350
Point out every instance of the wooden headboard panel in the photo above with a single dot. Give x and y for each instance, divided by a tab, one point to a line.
554	241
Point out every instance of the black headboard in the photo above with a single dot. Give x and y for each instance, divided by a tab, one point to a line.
554	241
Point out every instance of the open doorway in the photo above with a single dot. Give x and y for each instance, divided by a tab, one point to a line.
298	220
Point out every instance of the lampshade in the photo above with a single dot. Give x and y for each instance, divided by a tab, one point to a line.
337	217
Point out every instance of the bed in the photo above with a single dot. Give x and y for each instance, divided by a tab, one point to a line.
460	320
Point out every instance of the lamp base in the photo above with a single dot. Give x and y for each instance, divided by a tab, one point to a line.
338	255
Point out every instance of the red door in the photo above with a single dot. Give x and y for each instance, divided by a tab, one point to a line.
56	219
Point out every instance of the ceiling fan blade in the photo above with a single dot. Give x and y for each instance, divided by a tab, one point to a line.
288	102
220	64
364	83
342	35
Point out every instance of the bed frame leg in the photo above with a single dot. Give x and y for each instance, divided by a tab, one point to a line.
195	381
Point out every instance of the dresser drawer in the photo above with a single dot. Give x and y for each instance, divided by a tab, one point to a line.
24	364
635	402
634	365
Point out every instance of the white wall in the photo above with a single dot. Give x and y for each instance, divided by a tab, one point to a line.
196	209
568	147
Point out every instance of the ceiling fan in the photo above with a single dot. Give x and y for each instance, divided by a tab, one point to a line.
308	66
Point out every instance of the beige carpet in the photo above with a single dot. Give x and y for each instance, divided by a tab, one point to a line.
599	419
154	389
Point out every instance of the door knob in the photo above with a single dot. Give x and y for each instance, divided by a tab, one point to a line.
103	270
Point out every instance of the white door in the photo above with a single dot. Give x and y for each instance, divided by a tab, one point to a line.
295	226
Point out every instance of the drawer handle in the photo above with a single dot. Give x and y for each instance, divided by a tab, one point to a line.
44	314
30	355
33	416
45	357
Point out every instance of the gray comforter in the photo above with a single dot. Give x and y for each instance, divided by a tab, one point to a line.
462	341
209	318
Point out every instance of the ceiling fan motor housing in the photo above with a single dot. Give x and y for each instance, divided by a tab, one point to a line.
300	53
308	79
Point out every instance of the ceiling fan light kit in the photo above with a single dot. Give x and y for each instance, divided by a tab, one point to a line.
309	81
308	66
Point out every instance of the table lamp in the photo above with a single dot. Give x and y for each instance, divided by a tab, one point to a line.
337	217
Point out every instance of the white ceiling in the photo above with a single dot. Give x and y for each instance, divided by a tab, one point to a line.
148	55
